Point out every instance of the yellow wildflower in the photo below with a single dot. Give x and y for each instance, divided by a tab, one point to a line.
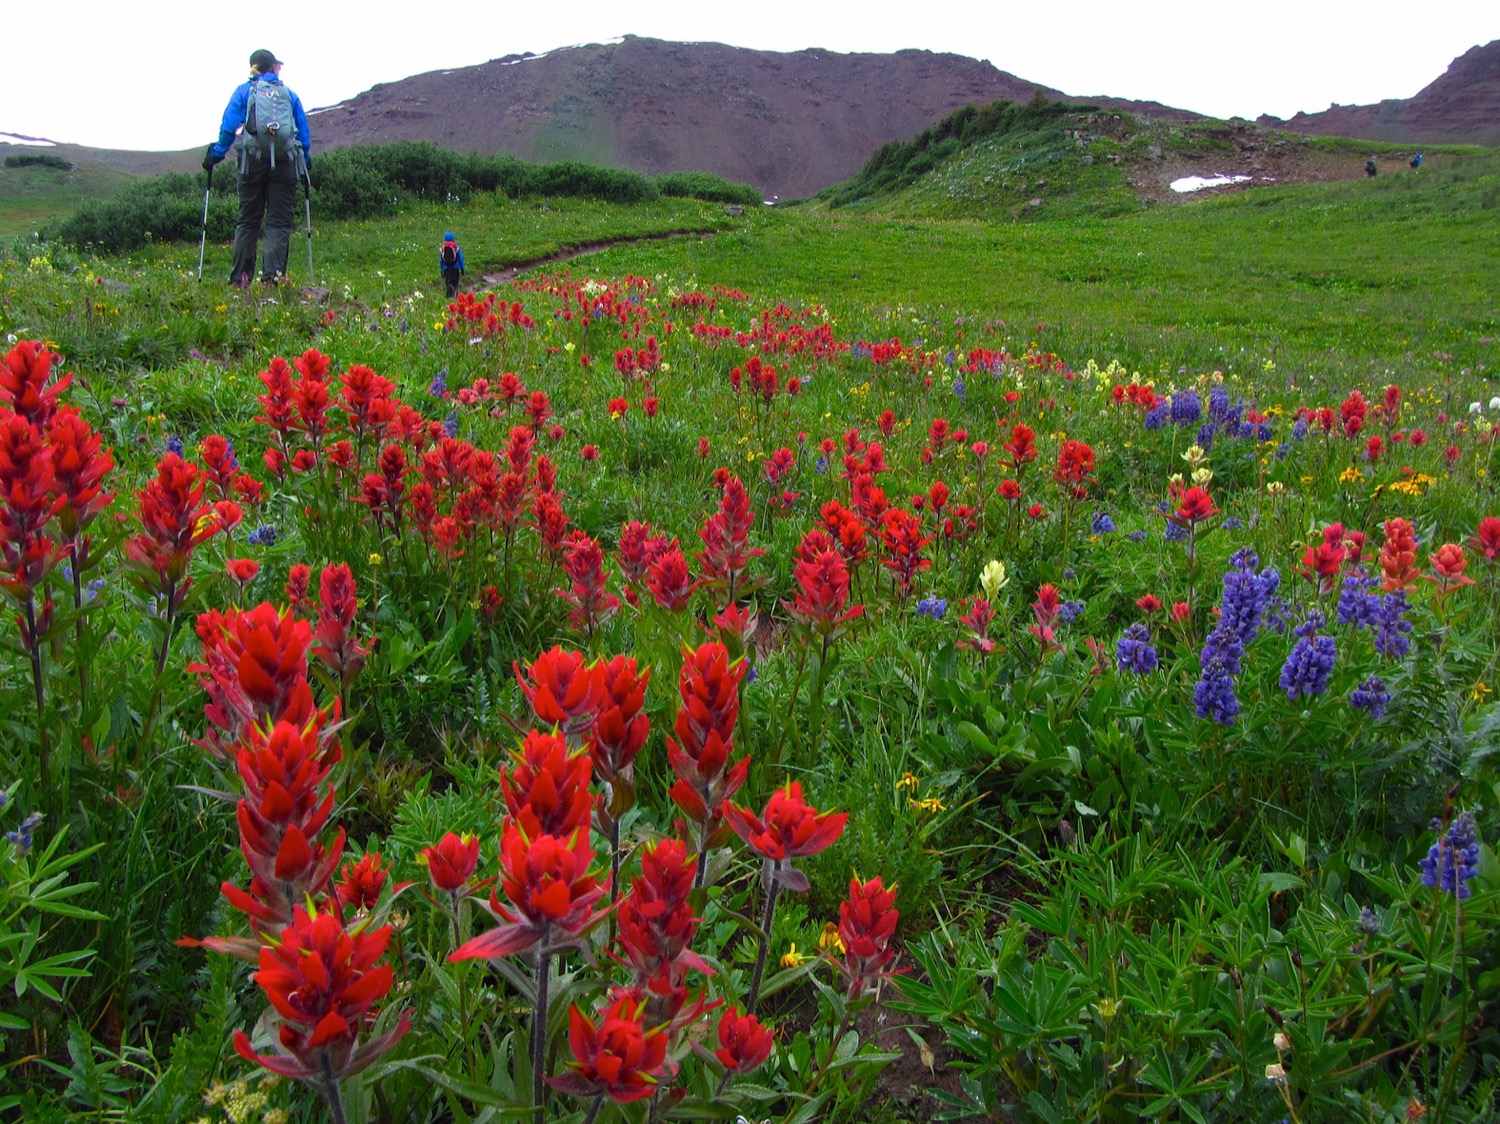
909	781
932	805
1351	475
830	939
793	958
376	560
1480	691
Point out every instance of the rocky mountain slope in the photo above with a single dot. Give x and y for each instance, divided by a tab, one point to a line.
1461	107
788	123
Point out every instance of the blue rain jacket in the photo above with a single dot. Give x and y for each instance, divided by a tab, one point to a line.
239	106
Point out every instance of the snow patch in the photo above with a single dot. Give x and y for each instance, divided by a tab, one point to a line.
324	109
11	138
1198	183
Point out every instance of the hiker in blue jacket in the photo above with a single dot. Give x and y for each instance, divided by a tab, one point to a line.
451	262
260	122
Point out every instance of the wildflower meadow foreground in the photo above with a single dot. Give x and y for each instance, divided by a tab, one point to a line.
619	698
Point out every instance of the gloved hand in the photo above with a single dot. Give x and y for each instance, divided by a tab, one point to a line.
209	159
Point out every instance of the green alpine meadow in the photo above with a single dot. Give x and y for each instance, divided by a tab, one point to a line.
993	640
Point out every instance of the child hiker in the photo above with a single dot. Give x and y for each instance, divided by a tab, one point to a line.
451	261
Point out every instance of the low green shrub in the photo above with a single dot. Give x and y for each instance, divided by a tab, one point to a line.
40	160
708	187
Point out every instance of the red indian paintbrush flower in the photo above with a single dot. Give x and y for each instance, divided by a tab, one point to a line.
1019	448
1487	539
360	883
255	671
322	979
726	553
563	690
699	755
592	603
668	579
242	570
1398	557
744	1044
550	889
27	504
1046	608
790	828
26	383
620	1058
901	535
656	920
1075	466
822	578
336	646
623	725
80	462
286	808
547	790
1195	506
867	921
1448	566
174	520
450	864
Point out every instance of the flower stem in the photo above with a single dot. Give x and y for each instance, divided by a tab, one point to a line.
765	937
539	1029
331	1091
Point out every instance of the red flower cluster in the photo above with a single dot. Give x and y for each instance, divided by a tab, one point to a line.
699	754
867	921
323	980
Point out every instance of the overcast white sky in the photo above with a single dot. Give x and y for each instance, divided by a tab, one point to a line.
157	75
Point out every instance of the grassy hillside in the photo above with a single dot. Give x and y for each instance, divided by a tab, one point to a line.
34	195
1045	160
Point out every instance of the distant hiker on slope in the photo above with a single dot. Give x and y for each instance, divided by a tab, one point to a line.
274	152
1416	161
451	262
1370	166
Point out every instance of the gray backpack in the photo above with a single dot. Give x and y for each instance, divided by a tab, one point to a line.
270	127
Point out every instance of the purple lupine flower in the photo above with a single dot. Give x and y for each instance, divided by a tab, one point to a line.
1186	408
174	444
1134	651
1311	660
1139	535
1371	696
264	535
933	607
1391	627
1156	417
821	465
1299	429
1103	524
1233	523
1206	433
1246	594
1214	695
1453	859
960	390
1070	611
20	838
439	385
450	423
1359	605
1282	450
1368	923
1218	401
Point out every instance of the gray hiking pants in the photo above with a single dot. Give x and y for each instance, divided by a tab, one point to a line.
268	194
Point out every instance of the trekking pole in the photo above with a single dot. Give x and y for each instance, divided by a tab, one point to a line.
307	183
203	238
